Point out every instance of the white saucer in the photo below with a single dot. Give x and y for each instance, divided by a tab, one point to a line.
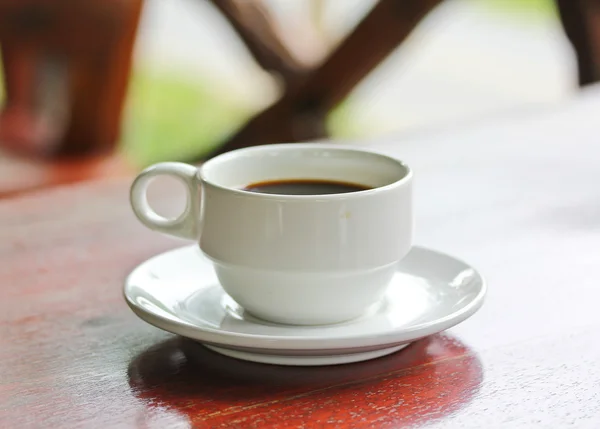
178	291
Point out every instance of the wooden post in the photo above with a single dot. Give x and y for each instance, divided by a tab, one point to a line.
67	65
301	113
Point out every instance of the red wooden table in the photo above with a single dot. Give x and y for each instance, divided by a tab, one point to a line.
517	198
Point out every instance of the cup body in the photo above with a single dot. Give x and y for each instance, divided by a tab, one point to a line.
304	259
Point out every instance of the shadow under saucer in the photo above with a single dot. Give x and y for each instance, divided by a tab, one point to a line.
437	375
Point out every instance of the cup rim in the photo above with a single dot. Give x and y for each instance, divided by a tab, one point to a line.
290	146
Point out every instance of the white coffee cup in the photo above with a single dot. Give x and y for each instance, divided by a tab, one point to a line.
294	259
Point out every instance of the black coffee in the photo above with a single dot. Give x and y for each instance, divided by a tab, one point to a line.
304	187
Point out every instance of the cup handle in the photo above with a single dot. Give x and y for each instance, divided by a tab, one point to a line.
186	225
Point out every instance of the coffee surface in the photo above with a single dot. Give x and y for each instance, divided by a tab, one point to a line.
304	187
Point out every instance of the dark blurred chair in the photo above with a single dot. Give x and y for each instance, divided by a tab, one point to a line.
310	94
67	64
66	68
581	22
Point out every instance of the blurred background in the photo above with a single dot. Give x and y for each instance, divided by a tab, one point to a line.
195	82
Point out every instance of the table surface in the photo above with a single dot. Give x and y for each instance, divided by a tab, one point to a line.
518	197
19	175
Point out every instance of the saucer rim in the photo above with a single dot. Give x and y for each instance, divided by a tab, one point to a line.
181	327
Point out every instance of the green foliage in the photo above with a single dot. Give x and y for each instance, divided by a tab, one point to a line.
529	9
175	117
